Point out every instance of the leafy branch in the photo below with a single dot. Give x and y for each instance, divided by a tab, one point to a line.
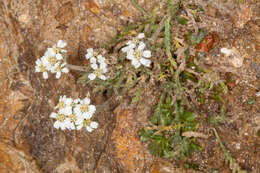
233	165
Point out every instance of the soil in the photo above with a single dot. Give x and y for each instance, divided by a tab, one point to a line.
28	141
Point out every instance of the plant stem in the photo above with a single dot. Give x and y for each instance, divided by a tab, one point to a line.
138	7
167	43
159	29
234	166
75	67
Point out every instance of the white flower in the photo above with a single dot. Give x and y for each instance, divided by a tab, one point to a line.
59	68
91	53
49	61
87	123
53	60
74	114
136	53
101	60
64	105
84	109
50	52
59	47
99	71
40	67
61	121
73	118
132	43
138	56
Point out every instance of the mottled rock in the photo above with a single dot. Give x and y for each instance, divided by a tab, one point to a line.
65	14
15	160
128	148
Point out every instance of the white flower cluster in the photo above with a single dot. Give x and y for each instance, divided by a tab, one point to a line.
53	60
74	114
98	64
136	53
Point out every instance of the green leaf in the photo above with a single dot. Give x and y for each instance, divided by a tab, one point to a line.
145	135
182	20
251	101
258	132
191	165
196	39
186	75
159	146
187	116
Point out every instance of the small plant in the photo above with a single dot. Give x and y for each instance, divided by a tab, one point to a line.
144	55
164	134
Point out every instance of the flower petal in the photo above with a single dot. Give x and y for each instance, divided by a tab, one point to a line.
79	126
135	63
92	76
94	125
61	44
92	109
145	62
101	59
58	74
59	56
56	124
130	54
76	101
45	75
141	36
102	77
93	60
103	67
53	115
125	49
90	50
89	129
50	52
65	70
94	66
86	101
141	46
147	54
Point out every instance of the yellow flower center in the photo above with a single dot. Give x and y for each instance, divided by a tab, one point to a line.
42	68
86	122
95	54
56	50
72	117
137	54
84	108
58	68
61	117
98	72
52	60
61	104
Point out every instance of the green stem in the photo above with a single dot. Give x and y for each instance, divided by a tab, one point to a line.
138	7
167	43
